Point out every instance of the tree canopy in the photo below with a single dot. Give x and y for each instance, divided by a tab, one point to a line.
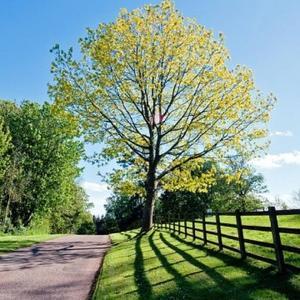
157	90
4	146
42	151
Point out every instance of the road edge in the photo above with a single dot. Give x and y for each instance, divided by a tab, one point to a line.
98	273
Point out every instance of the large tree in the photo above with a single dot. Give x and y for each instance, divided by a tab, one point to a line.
5	145
41	168
156	89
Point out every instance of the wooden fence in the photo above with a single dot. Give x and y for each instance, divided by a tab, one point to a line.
179	225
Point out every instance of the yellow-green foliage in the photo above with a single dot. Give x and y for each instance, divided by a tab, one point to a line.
156	88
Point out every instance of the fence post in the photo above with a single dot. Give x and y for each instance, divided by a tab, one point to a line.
204	229
194	231
276	239
240	233
179	230
185	227
219	231
174	229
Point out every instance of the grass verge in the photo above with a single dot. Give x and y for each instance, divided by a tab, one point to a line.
10	243
160	265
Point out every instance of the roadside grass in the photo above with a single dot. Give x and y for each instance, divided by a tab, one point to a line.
10	243
161	265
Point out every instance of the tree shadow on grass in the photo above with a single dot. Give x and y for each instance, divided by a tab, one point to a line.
126	234
143	285
236	279
199	290
217	277
129	237
263	278
181	282
185	289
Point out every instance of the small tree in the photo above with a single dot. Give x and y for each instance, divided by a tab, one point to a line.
156	90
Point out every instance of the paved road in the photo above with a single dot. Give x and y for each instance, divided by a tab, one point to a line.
63	268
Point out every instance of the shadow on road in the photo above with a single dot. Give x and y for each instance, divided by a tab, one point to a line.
48	253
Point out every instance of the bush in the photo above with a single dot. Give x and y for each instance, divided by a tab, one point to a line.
87	227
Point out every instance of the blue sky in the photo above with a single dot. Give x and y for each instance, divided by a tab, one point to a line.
263	35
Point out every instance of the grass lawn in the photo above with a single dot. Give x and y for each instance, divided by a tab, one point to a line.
292	221
12	242
160	265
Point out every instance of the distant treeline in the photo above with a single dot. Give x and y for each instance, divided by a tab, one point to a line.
124	212
39	155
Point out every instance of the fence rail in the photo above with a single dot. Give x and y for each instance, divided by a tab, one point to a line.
180	226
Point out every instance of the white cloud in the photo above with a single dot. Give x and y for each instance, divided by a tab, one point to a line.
98	201
281	133
286	198
98	193
283	197
94	187
271	161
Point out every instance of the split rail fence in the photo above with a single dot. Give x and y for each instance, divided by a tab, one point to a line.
180	226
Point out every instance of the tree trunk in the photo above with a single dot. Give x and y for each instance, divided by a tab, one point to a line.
7	210
147	221
243	201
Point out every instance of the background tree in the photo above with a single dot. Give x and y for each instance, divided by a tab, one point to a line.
42	167
227	193
279	203
182	203
155	88
296	198
4	146
71	214
238	186
106	224
123	213
126	210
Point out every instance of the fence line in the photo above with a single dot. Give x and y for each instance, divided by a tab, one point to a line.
175	225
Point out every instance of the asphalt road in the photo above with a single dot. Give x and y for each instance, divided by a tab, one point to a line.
63	268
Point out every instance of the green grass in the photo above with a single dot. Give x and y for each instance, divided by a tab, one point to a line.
286	239
12	242
160	265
